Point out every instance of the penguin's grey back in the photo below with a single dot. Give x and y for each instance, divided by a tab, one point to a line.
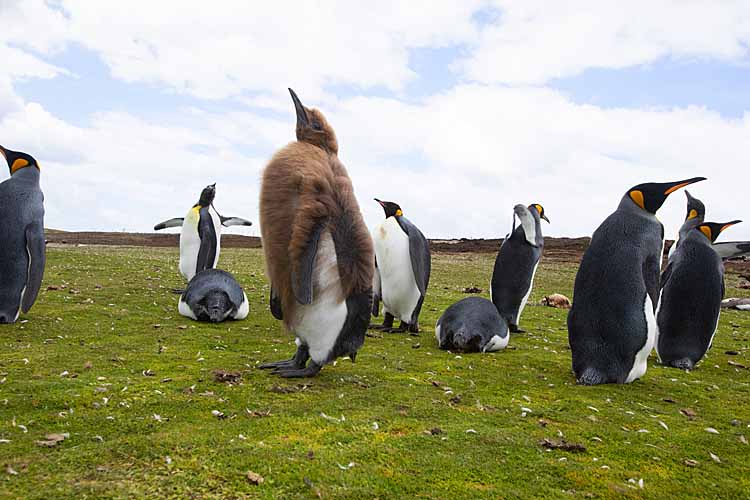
21	206
211	280
693	287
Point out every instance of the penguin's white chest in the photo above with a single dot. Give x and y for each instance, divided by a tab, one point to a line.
399	291
641	357
319	324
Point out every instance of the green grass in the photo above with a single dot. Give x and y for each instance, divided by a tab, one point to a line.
116	318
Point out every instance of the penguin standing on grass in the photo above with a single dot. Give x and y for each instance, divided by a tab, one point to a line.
319	256
402	272
516	264
200	239
22	244
612	324
692	288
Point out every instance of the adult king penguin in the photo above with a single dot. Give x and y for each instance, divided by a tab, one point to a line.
200	239
22	250
319	255
692	288
516	263
611	326
402	270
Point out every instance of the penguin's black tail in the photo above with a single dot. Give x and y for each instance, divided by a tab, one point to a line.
683	364
591	376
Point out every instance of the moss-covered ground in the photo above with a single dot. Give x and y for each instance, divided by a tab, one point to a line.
104	360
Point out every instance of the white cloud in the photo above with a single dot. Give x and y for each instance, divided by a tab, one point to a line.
457	161
534	41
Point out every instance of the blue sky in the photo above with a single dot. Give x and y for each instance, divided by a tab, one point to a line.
457	115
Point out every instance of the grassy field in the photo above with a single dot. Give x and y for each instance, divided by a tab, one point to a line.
105	361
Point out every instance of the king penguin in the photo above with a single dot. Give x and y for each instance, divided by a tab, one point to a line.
319	255
402	270
516	263
612	326
200	239
692	288
22	251
696	212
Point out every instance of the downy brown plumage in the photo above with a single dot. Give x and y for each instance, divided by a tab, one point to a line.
305	193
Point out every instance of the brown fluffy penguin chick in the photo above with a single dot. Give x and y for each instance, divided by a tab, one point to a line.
319	254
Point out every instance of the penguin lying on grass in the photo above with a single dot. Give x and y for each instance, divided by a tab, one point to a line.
402	273
22	244
612	326
692	288
516	264
200	239
213	295
319	255
472	325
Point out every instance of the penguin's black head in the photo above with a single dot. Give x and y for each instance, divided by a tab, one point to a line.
313	128
214	306
695	207
391	209
540	209
652	195
712	230
17	160
207	195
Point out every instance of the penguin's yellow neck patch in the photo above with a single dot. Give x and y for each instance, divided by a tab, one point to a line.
693	214
399	213
18	165
637	197
706	231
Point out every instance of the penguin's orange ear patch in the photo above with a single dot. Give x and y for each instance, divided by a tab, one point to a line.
539	209
18	165
399	213
637	197
707	231
693	214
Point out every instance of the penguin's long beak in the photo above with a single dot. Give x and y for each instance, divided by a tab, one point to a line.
300	109
674	186
545	218
381	203
728	225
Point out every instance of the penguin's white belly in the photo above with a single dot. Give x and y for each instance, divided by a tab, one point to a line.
528	293
319	324
496	343
244	309
190	244
399	291
641	357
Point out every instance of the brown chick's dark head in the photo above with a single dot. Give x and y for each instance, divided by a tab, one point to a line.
313	128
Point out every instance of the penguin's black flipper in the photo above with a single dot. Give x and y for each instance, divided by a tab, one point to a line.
419	251
376	291
275	303
176	222
302	271
732	249
234	221
207	234
37	259
651	277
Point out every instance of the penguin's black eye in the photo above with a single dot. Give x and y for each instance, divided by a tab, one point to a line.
316	125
